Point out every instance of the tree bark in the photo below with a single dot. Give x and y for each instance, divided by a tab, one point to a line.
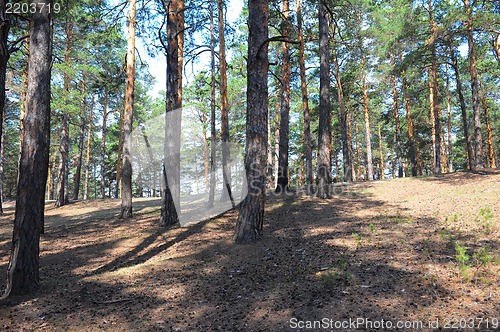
224	107
381	152
368	138
324	130
491	150
126	179
282	183
87	157
433	95
104	133
23	269
305	105
465	122
63	162
213	133
251	214
175	42
395	108
409	120
450	138
81	139
479	161
4	58
344	128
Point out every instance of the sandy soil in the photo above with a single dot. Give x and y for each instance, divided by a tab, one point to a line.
409	251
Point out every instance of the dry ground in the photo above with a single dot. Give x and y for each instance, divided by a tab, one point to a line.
398	250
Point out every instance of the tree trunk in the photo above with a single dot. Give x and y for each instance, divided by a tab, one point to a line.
213	133
305	105
63	162
368	138
171	186
411	138
206	163
81	139
395	108
350	145
23	269
381	152
433	95
276	133
224	108
4	58
104	133
87	157
491	151
465	122
126	179
324	130
495	45
282	182
479	161
344	127
450	139
251	214
358	150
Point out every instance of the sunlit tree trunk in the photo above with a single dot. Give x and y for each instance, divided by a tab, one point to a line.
87	156
491	150
368	138
479	161
175	43
23	268
307	145
465	122
450	138
81	141
126	179
433	95
395	109
409	120
251	214
324	130
224	107
381	153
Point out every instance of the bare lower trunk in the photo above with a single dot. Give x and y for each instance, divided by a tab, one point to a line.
81	139
4	58
282	182
381	153
251	213
213	133
224	108
23	268
491	150
433	95
324	130
171	186
126	179
305	105
465	122
104	133
395	108
63	162
87	157
409	120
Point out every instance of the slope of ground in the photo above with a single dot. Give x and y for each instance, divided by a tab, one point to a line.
416	251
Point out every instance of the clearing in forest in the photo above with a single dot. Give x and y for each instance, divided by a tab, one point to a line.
412	250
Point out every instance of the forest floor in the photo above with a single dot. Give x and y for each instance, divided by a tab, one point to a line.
408	251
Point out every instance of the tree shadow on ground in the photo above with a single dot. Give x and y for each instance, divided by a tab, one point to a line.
317	260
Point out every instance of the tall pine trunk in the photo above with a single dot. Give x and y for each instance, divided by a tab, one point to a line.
213	133
23	269
126	208
324	130
81	139
282	182
366	109
395	109
491	150
4	58
104	133
251	214
171	185
411	138
479	161
465	122
224	107
307	145
86	183
433	95
344	128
